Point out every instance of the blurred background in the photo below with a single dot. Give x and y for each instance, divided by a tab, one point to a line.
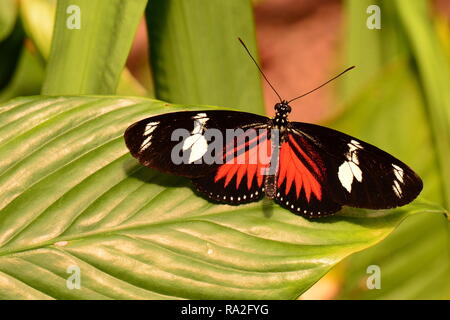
398	98
299	43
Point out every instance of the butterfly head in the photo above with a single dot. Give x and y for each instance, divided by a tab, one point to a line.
283	108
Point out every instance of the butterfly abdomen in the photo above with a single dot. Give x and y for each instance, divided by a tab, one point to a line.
270	186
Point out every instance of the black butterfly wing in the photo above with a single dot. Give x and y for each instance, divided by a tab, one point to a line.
351	172
160	142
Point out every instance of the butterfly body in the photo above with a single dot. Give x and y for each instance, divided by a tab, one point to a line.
279	122
237	157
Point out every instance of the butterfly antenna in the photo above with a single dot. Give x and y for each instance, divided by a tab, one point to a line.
259	68
340	74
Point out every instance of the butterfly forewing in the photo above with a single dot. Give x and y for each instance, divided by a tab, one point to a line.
179	143
357	173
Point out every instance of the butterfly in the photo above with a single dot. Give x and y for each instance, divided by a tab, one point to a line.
235	157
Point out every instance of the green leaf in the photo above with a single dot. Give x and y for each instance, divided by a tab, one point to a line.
71	195
130	86
39	21
434	69
10	50
8	15
38	17
100	47
367	57
397	112
27	77
413	261
196	57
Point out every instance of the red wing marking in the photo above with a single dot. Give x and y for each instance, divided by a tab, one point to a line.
240	174
251	171
304	155
251	162
222	172
231	173
292	169
232	149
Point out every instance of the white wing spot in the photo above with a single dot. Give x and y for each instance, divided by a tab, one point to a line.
197	142
397	189
398	173
356	144
349	169
347	172
150	127
198	145
201	115
145	144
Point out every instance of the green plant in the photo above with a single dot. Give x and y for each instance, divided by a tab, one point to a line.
70	194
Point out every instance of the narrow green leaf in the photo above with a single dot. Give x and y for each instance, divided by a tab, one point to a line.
434	71
39	21
38	17
129	85
362	47
71	195
8	15
100	47
196	57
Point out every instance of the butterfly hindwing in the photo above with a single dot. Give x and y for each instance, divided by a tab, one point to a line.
302	179
357	173
240	176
